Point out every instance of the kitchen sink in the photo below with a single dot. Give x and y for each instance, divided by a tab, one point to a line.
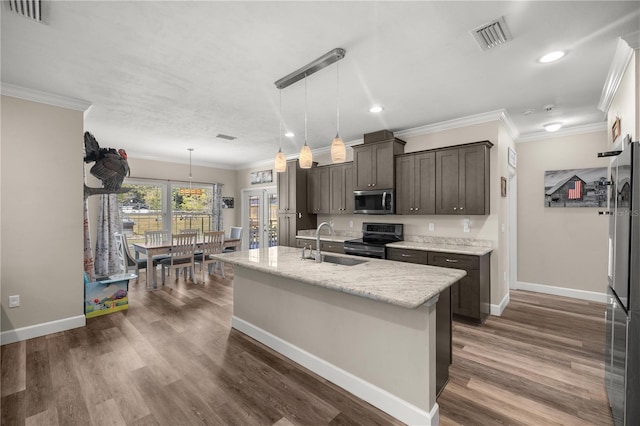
346	261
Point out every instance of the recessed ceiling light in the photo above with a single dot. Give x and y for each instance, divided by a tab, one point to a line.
376	108
552	56
552	127
289	134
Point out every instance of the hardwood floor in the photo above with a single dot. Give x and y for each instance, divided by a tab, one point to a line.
172	359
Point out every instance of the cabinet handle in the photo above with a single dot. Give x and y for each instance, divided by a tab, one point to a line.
416	209
455	208
405	255
373	184
461	208
451	260
299	215
410	208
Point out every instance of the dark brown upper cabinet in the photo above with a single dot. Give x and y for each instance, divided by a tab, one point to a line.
341	179
462	179
318	190
416	183
374	164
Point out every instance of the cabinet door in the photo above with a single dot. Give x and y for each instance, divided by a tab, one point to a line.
465	296
382	173
447	186
332	247
284	226
472	180
283	190
341	178
424	184
405	180
363	161
324	189
349	202
313	191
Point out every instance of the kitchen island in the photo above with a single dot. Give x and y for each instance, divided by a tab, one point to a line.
370	328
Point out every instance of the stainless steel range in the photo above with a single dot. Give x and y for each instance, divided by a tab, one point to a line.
374	238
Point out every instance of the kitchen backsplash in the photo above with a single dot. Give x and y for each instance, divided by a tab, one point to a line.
469	242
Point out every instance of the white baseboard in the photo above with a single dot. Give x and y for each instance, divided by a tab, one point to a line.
562	291
385	401
37	330
497	310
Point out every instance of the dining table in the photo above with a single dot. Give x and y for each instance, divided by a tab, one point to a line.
156	249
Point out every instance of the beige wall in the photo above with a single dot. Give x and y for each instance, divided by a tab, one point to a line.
560	247
42	236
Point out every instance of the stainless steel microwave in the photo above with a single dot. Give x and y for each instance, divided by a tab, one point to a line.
379	201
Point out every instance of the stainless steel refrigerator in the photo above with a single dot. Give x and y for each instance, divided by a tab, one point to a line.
622	354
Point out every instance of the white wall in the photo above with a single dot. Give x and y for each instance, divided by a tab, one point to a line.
42	232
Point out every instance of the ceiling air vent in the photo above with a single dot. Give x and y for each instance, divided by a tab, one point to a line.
492	34
31	9
227	137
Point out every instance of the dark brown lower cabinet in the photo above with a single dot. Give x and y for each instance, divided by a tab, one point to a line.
471	296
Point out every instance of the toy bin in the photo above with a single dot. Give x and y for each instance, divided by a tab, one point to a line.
107	295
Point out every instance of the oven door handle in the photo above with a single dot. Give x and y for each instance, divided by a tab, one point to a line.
384	199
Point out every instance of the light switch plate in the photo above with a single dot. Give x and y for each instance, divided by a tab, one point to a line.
14	301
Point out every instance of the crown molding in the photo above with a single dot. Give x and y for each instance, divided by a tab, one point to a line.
569	131
44	97
633	40
616	71
498	115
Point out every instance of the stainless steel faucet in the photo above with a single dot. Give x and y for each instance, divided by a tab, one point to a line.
318	254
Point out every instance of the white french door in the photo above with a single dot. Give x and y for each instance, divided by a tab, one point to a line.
259	217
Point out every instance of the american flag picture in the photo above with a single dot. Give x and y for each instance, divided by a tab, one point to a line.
575	190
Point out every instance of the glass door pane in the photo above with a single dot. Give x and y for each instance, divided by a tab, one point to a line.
260	208
254	202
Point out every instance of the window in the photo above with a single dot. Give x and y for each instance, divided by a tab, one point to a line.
151	206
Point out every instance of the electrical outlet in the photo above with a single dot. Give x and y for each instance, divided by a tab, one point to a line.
466	225
14	301
350	224
432	227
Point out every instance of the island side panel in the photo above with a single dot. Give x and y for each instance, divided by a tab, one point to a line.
388	346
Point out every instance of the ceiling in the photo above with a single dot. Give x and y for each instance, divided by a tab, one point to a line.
163	76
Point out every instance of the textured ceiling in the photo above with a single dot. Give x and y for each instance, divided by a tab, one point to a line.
166	76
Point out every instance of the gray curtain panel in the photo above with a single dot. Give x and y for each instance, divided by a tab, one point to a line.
108	222
217	207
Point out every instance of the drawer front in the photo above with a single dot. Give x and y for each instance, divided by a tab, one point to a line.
411	256
332	247
456	261
302	242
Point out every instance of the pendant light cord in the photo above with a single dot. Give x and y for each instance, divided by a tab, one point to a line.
337	99
305	109
280	132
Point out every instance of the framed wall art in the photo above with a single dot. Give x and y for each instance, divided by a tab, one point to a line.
264	176
615	130
512	158
227	202
576	187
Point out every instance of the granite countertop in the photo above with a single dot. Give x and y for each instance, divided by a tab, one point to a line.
403	284
443	248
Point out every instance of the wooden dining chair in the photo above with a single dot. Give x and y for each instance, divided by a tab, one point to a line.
129	261
212	244
156	237
235	233
190	231
181	255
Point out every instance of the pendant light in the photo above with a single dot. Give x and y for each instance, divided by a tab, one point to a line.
338	150
280	163
306	158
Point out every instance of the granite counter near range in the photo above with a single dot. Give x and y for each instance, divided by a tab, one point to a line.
373	328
